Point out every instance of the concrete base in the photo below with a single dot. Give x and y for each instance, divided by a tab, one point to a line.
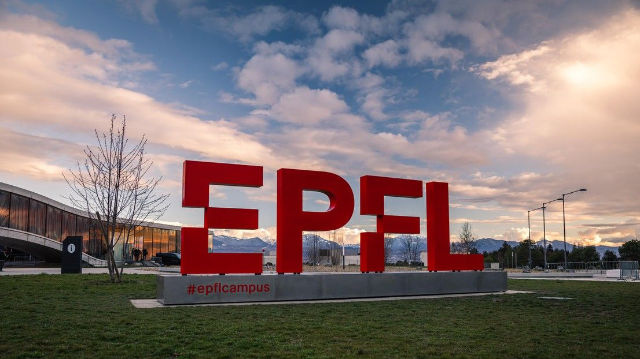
173	289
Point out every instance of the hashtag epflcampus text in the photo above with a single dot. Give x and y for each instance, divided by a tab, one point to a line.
227	288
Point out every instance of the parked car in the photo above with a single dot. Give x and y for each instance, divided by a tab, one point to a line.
169	259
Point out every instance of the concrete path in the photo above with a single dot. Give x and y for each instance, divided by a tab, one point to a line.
176	271
548	275
31	271
153	303
587	279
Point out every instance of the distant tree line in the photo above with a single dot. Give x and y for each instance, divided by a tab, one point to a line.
506	255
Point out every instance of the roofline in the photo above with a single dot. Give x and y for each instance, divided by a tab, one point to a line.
38	197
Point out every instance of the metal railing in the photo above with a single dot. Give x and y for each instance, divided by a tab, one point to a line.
629	270
595	266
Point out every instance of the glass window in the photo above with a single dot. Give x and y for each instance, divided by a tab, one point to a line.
165	240
131	233
172	241
19	214
82	229
96	244
119	243
127	240
138	235
68	224
119	235
54	223
4	208
148	242
37	217
178	241
137	241
157	241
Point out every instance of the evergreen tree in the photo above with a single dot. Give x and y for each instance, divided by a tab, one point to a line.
630	250
609	256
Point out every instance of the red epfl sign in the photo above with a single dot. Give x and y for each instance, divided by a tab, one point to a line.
292	220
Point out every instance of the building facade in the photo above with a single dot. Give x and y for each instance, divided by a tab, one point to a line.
38	215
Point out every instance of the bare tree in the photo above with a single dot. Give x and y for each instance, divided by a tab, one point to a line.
336	253
467	239
411	248
388	247
112	186
311	249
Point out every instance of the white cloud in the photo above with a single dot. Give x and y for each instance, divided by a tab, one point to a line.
44	161
373	95
146	8
220	66
36	66
260	22
332	55
421	49
507	67
339	41
267	76
343	18
584	124
349	19
374	104
109	49
308	107
278	47
385	53
518	234
266	234
611	233
427	32
186	84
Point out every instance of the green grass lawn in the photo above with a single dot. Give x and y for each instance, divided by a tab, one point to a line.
85	316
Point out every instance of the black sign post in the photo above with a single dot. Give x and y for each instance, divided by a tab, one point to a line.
72	255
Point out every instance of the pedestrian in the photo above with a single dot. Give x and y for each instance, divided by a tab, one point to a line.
3	258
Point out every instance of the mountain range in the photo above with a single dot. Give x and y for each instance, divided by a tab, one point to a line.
256	244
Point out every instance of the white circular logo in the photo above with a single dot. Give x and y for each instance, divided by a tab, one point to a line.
71	248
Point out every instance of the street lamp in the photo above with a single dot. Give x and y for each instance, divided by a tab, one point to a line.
529	222
564	226
544	229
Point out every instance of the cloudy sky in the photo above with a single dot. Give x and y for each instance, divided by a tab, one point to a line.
512	103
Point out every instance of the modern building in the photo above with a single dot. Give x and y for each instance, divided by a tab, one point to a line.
36	225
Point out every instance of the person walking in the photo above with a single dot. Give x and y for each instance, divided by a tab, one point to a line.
3	258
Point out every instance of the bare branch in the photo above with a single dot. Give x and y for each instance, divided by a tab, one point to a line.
112	186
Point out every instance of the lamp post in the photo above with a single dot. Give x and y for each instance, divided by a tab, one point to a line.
342	240
529	222
544	229
564	225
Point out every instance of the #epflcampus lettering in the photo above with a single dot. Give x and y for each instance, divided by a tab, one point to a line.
292	220
227	288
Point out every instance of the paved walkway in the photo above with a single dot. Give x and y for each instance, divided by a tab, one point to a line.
584	279
154	303
31	271
176	271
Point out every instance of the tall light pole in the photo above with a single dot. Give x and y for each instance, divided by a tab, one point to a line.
529	222
564	225
544	229
342	240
